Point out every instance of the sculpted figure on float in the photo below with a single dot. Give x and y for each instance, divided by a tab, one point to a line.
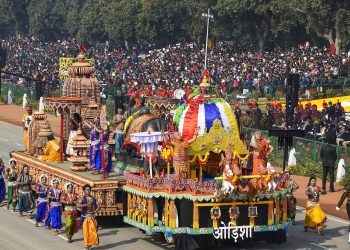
39	119
180	158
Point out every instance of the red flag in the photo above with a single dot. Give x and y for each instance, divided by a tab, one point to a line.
82	48
332	49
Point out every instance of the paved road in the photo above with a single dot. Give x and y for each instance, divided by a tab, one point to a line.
11	138
18	233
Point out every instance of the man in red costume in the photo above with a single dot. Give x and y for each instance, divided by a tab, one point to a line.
261	150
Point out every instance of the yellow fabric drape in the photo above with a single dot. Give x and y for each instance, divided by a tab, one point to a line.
90	232
232	120
51	152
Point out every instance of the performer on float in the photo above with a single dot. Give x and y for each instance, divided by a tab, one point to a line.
70	199
89	208
51	151
292	201
27	118
11	177
2	181
107	154
345	195
261	150
95	151
315	217
75	123
42	203
180	159
54	218
119	123
25	196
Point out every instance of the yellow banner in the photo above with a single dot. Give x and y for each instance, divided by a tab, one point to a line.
66	62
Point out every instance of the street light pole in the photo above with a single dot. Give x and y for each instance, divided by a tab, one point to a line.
208	16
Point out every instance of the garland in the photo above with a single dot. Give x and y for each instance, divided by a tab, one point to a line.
128	121
203	159
194	93
234	197
240	157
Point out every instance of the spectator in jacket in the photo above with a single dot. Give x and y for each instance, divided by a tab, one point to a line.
328	156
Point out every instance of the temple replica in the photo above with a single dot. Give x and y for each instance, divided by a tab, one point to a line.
79	107
187	179
81	82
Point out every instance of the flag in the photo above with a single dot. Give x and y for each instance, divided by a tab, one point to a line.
332	49
82	48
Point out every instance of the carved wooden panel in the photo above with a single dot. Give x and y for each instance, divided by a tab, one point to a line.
104	190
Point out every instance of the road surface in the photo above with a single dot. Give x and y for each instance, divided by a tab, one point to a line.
17	233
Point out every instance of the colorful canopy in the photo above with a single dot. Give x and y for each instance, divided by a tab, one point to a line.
201	111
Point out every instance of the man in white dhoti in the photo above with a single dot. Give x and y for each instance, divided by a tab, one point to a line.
75	123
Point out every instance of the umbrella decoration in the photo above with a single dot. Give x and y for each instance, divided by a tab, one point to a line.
201	111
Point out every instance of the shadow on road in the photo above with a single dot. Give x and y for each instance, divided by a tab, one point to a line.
117	244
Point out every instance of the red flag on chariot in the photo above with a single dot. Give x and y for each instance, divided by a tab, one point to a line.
82	48
332	49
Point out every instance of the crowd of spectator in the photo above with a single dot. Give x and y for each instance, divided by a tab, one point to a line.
146	70
328	123
232	67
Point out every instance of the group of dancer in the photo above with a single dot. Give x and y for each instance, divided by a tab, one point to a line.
51	202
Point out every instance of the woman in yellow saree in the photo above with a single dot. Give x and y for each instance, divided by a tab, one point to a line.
315	217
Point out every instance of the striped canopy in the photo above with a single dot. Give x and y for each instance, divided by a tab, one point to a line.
201	111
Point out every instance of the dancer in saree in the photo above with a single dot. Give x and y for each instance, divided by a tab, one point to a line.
2	181
315	217
54	218
291	200
42	203
11	177
25	196
261	150
70	199
89	207
95	150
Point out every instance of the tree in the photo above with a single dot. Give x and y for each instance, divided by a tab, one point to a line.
91	22
260	20
160	22
119	20
7	17
329	19
46	18
73	17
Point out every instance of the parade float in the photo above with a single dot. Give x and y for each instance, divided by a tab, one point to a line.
201	191
191	186
81	98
